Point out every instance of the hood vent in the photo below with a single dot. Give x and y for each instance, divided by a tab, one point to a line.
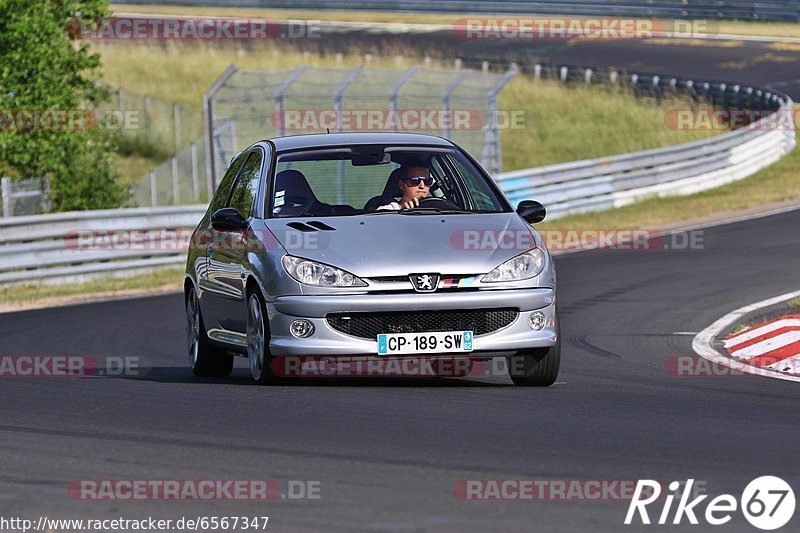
321	225
299	226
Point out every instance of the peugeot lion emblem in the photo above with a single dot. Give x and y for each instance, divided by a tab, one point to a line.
424	282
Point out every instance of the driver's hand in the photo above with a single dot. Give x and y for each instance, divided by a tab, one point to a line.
410	204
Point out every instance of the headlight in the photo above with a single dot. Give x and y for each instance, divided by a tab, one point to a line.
523	266
318	274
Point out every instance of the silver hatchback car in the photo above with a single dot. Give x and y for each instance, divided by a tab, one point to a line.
368	245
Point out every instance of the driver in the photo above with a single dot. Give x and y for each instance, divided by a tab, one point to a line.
415	185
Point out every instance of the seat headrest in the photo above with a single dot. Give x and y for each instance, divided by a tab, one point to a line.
294	183
392	188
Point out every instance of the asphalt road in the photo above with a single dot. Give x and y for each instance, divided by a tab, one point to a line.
387	453
775	65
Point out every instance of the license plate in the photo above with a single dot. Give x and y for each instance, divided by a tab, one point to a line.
434	342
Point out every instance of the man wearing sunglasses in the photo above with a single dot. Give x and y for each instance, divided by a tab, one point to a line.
415	184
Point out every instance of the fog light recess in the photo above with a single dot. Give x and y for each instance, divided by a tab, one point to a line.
301	329
537	320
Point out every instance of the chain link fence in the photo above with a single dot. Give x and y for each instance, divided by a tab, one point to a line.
24	197
243	107
179	180
150	124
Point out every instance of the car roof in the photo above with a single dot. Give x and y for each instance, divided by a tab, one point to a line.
317	140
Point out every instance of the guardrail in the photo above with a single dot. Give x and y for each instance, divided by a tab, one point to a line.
67	247
604	183
784	10
70	246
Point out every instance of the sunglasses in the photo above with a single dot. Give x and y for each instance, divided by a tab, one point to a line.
414	182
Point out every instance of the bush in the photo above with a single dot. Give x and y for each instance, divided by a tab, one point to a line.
45	74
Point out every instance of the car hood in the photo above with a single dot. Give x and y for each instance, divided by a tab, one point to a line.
395	245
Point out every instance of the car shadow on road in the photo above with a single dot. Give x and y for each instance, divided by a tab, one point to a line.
241	376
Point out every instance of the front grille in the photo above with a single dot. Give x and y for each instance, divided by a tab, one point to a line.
369	325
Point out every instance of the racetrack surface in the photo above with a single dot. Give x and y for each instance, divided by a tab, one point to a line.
767	64
388	452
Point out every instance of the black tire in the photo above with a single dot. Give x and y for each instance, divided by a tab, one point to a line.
204	359
258	339
537	367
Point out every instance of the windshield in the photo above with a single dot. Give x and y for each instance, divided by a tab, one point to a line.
380	180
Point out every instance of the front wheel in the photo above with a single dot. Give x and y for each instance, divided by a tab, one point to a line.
204	359
537	367
258	341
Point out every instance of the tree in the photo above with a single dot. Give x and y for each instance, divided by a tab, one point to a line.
46	86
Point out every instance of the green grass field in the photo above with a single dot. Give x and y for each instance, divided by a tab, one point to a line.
560	123
768	29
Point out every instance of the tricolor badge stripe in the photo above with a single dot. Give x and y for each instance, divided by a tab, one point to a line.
453	283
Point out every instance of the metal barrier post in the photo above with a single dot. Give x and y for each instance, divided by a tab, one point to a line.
280	92
492	151
337	109
446	112
121	110
195	178
175	186
147	119
208	120
5	190
395	91
153	192
176	117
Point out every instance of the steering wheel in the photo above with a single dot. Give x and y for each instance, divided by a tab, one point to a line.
436	202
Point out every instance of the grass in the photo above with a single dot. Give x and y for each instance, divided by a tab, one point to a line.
554	130
768	29
794	304
776	183
165	278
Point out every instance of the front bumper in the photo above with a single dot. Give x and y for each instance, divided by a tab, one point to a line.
330	342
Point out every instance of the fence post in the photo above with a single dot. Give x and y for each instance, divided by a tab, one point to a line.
153	192
121	110
394	91
176	115
174	181
195	177
147	118
5	190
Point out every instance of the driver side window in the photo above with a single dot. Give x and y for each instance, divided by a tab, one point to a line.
224	189
246	188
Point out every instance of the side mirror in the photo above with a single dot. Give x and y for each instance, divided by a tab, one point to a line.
228	219
531	211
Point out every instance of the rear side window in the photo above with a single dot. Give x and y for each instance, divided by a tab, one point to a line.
246	188
224	189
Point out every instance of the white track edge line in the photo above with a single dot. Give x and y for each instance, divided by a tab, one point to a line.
702	344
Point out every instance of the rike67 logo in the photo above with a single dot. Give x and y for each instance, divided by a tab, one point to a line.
767	503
